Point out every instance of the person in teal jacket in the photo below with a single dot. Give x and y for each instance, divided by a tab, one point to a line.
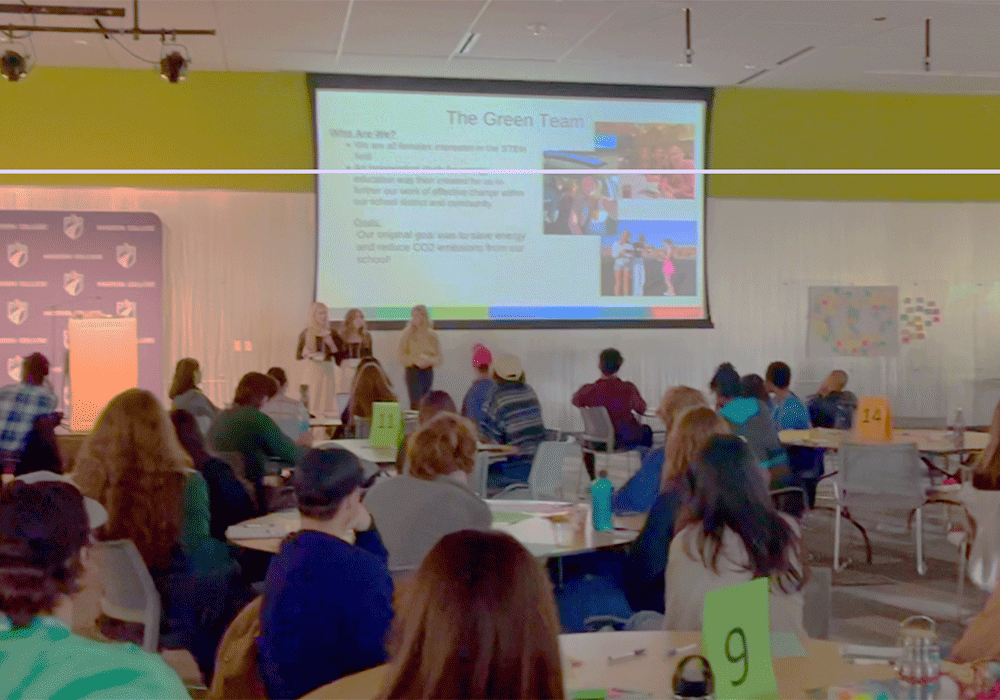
750	419
44	531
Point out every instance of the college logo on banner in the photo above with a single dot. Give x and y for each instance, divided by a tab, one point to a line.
17	254
126	255
14	367
73	283
73	226
125	308
17	311
66	338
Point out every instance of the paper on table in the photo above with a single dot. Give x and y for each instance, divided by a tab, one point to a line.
510	518
253	532
786	644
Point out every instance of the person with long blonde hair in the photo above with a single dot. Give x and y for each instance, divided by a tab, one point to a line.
133	464
355	342
638	494
480	622
644	569
419	353
320	346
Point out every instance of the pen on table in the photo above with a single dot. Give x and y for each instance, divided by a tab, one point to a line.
626	657
681	650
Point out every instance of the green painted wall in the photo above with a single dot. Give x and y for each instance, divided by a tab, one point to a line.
813	129
90	118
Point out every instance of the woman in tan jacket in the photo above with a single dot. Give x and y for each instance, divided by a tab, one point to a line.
419	352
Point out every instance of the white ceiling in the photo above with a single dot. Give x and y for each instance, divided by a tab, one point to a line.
605	41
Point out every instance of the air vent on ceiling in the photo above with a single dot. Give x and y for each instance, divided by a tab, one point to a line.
798	54
468	41
752	77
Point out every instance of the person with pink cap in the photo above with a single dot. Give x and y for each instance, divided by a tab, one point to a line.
481	390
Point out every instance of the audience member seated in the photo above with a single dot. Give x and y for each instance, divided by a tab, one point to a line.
644	569
750	420
328	595
133	464
752	387
44	532
639	492
832	406
370	385
512	416
186	396
289	414
418	508
789	412
730	533
41	449
431	404
623	403
480	623
475	399
228	501
244	429
21	405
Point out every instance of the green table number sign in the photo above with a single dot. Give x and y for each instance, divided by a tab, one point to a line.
736	640
387	424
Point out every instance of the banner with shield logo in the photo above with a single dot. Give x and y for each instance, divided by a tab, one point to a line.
65	263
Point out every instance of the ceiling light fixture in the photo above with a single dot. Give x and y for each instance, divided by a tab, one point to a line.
927	45
538	29
173	63
688	53
13	65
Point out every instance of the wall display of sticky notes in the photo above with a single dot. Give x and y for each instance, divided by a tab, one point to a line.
387	424
873	419
736	640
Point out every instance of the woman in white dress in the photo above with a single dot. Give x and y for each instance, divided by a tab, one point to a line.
319	346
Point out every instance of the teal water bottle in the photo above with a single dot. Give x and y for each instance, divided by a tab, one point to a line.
600	492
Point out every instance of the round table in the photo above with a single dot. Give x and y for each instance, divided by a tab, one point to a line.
585	666
524	520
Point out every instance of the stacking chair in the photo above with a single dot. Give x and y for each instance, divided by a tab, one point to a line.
876	477
599	434
545	481
791	500
129	593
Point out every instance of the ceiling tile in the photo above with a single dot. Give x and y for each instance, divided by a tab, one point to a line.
282	25
409	28
505	34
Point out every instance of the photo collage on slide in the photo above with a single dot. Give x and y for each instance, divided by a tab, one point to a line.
653	252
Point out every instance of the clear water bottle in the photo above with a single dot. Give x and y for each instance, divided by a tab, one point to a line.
600	493
919	663
304	394
958	430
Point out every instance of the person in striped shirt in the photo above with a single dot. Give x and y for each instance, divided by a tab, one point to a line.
513	416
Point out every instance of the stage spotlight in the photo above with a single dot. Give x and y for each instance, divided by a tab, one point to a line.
174	65
13	66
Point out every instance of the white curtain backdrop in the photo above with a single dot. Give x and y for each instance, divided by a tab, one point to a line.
239	267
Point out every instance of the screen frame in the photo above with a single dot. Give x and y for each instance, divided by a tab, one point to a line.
521	88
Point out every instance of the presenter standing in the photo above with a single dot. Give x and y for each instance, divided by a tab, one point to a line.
319	345
355	343
419	352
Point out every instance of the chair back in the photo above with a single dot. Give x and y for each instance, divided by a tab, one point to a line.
791	500
545	482
237	676
362	427
129	591
597	426
873	476
237	461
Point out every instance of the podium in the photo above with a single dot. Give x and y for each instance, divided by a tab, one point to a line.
103	362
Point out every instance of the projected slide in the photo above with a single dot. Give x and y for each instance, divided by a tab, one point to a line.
598	243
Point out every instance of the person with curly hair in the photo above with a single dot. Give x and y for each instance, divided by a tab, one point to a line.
133	464
45	528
